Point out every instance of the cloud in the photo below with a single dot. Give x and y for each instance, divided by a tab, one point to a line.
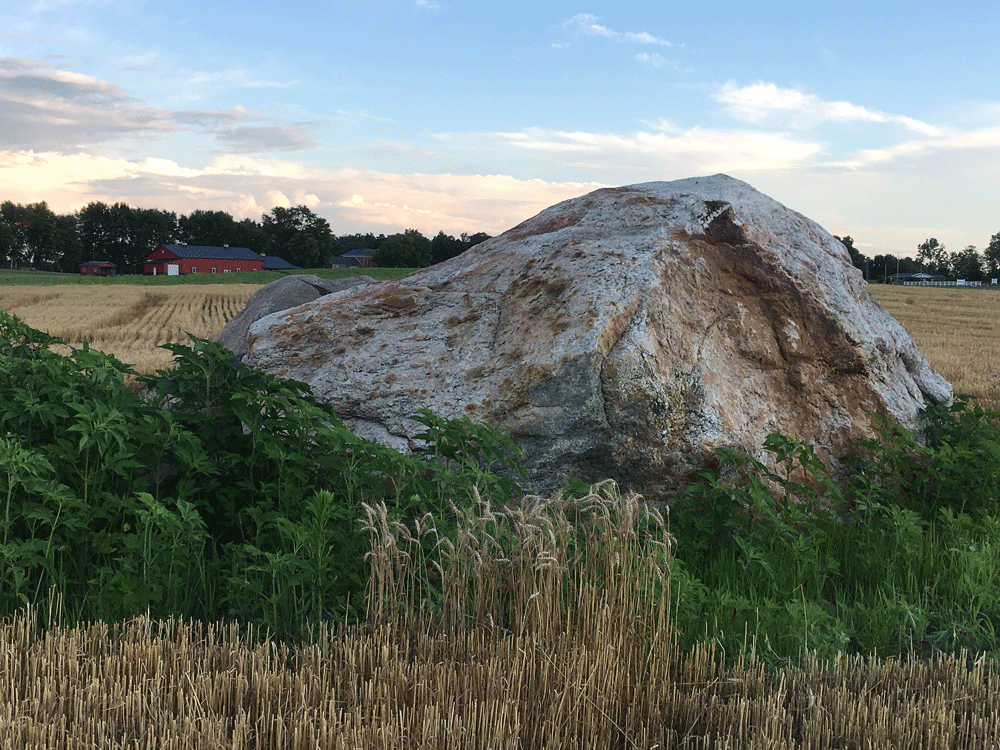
264	139
651	58
585	23
28	80
972	140
43	108
761	100
382	147
247	187
29	37
428	4
234	77
651	155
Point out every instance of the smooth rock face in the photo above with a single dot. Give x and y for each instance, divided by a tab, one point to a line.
624	334
287	292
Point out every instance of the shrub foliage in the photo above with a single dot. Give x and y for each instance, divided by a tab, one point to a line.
783	561
213	491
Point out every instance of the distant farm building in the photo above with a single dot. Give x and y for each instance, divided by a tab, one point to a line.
98	268
274	263
175	260
919	278
363	258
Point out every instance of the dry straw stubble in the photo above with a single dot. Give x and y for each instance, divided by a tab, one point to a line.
957	329
129	321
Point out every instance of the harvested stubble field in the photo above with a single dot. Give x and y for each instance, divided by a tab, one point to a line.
958	330
201	687
129	321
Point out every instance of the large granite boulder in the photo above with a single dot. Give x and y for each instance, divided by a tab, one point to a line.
286	292
624	334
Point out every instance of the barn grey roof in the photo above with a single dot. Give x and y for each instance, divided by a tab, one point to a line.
97	263
274	263
205	251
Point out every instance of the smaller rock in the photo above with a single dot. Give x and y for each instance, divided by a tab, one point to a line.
283	294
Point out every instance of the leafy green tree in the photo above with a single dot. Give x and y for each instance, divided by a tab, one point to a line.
34	240
248	233
932	257
68	242
149	228
991	256
122	234
217	229
348	242
9	243
212	228
410	249
967	264
472	240
444	247
298	236
98	236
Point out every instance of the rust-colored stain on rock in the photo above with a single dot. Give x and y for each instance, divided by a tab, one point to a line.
394	300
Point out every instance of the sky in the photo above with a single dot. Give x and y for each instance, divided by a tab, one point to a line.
878	120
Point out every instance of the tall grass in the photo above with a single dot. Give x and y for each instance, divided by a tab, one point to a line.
905	563
219	492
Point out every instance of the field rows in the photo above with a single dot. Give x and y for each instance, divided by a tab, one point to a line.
128	321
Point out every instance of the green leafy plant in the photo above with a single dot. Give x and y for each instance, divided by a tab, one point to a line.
954	466
211	490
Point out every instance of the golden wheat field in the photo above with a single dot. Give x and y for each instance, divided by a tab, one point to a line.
127	321
958	330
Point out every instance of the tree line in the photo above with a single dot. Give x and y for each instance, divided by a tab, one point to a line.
33	236
932	257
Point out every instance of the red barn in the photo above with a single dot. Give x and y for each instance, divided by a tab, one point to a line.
173	260
98	268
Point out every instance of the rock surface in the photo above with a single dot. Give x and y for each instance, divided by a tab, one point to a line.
287	292
623	334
